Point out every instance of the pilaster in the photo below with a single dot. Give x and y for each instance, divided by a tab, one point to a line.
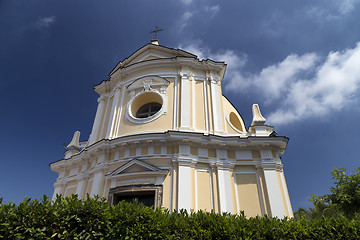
113	114
98	119
185	100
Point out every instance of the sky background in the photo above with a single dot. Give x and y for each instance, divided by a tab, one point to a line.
299	60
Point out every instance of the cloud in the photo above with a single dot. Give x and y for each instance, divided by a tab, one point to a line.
234	60
45	22
186	2
331	10
300	87
333	87
213	10
346	6
184	19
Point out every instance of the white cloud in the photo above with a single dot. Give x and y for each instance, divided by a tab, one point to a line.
186	2
235	61
45	21
346	6
184	19
213	10
331	10
301	87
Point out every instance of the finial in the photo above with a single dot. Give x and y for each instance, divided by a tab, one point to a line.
74	144
155	40
258	119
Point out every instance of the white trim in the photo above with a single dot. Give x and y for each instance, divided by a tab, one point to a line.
185	103
225	191
196	189
274	194
138	151
112	117
96	185
260	195
162	111
151	150
224	113
148	80
120	112
97	121
286	194
236	193
104	119
137	180
175	109
171	188
215	106
207	127
80	188
211	189
232	126
184	188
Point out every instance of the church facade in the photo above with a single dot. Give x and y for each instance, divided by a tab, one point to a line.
164	133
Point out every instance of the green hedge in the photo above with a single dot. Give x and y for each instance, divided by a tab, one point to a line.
71	218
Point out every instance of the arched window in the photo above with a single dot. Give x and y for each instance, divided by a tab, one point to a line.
148	110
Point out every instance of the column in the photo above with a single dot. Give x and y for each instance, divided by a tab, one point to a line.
224	184
185	101
97	122
113	114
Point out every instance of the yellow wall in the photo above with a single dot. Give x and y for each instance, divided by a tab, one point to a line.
248	196
203	191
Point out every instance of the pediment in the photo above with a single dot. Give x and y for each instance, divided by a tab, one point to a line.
137	166
148	81
151	52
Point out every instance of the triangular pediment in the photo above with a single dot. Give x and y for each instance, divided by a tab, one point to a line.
151	52
137	166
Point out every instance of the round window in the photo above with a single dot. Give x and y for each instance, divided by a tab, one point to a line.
146	106
148	110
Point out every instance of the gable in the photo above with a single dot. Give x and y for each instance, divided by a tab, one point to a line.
137	166
151	52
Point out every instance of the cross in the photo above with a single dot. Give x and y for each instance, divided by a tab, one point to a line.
156	31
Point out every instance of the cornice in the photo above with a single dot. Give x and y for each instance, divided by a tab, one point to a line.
171	138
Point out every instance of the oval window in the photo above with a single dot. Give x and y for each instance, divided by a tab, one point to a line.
145	106
234	120
148	110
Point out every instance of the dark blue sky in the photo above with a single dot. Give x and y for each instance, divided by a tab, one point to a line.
299	60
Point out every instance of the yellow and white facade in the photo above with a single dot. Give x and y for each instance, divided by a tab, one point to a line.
164	131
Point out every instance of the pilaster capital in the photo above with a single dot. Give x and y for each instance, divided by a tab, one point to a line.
185	73
101	99
214	79
117	88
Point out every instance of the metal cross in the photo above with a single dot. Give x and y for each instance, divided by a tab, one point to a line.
156	31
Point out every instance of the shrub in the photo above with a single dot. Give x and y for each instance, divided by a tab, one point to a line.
94	218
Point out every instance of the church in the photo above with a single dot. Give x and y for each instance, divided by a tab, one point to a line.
165	134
